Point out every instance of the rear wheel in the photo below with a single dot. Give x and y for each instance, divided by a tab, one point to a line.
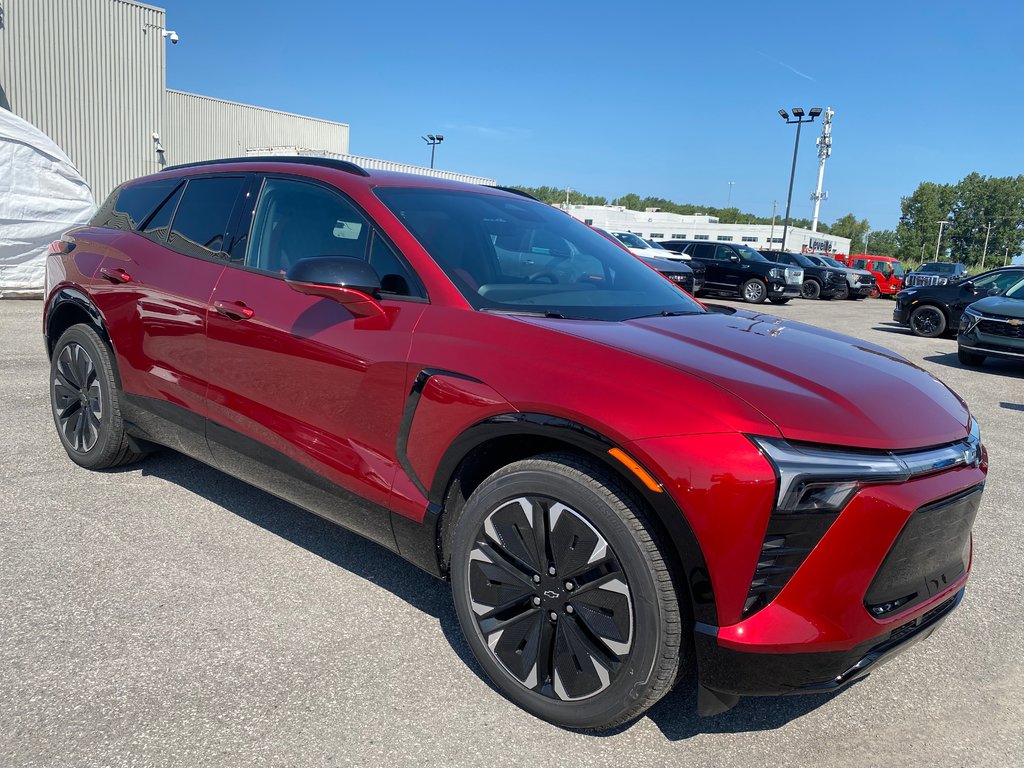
564	595
973	359
86	402
928	321
754	291
811	289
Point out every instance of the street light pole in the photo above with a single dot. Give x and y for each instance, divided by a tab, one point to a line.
799	119
771	237
728	203
433	140
939	239
984	251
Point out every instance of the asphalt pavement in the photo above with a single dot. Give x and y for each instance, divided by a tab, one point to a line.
166	614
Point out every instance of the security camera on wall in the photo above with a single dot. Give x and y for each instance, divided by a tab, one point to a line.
172	35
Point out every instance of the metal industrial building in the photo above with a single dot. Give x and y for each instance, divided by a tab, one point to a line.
91	74
654	224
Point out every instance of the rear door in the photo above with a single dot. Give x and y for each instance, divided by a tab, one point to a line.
159	279
714	275
305	398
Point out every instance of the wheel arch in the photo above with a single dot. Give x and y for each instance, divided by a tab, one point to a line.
68	307
495	442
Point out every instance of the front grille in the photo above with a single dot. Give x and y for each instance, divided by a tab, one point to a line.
992	327
865	279
794	276
929	555
787	543
682	279
918	280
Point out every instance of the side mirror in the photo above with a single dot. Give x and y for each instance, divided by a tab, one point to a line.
734	259
353	283
994	291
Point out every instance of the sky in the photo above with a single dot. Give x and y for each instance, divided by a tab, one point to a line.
665	99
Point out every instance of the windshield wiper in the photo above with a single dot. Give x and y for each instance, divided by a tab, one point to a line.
666	313
529	313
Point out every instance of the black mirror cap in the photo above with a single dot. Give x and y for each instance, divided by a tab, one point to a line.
336	272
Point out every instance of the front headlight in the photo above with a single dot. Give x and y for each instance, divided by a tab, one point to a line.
775	272
829	274
816	478
969	320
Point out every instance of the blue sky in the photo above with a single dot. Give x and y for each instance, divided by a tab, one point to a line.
671	99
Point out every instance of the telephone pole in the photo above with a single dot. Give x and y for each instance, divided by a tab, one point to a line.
984	251
824	143
939	239
771	237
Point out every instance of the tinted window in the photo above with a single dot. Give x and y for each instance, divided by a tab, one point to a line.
159	222
723	253
1000	281
296	220
702	251
202	215
395	277
513	255
128	207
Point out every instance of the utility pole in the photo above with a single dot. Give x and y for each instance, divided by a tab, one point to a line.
728	203
988	231
939	240
771	237
1006	258
824	143
866	235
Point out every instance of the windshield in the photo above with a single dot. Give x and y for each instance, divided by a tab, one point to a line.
940	269
897	269
630	240
803	261
1016	292
828	261
514	255
749	254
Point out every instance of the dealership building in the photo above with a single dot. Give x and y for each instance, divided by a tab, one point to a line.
655	224
91	75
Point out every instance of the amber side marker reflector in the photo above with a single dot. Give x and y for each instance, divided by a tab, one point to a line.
636	469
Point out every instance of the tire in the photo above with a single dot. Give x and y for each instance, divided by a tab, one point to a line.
811	289
754	291
779	300
601	609
928	321
86	402
844	293
972	359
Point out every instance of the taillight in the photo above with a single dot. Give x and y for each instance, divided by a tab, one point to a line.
61	247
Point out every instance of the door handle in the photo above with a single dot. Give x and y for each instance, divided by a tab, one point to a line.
117	275
235	310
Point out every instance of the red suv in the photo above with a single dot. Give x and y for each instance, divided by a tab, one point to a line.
368	346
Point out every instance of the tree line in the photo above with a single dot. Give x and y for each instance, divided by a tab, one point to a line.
975	208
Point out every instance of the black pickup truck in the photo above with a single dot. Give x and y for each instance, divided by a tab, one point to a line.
739	270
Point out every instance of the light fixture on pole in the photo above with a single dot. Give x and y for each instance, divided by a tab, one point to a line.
433	140
799	119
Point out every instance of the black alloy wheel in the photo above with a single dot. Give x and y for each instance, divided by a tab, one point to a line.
563	595
928	321
86	401
811	289
754	291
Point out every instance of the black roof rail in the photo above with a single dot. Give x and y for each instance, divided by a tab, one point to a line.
326	162
513	190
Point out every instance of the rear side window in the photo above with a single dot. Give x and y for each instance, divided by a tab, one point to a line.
160	222
202	215
127	207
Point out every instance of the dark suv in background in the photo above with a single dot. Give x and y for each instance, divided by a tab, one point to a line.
859	282
741	271
931	311
819	282
936	273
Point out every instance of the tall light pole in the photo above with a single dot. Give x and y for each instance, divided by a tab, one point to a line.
771	237
433	140
728	203
799	119
984	251
939	239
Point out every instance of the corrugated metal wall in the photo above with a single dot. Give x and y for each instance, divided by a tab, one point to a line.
202	128
89	74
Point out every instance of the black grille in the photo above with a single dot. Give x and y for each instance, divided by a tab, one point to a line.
788	541
924	619
928	556
1001	328
682	279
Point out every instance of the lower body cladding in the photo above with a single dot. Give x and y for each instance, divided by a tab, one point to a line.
885	573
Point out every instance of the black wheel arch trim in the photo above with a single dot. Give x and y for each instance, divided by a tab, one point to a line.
680	535
61	298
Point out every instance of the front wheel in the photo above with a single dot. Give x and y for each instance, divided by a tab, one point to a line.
754	291
564	595
811	289
973	359
928	321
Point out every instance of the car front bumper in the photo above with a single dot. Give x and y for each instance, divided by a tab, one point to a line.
991	345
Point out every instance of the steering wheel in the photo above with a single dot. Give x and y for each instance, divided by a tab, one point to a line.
544	277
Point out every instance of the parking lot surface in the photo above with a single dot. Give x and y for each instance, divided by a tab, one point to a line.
166	614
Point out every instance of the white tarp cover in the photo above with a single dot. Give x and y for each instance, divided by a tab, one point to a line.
42	195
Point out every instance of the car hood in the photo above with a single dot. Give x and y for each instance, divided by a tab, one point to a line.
663	265
812	384
1000	305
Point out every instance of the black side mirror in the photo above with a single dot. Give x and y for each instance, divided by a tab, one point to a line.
353	283
734	259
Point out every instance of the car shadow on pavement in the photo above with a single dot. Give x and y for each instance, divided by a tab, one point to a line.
675	715
992	366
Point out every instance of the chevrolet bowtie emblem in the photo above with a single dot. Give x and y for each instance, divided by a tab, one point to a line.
1015	322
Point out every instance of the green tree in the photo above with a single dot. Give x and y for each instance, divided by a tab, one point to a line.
849	226
919	223
883	242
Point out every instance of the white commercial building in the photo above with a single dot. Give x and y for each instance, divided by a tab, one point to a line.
654	224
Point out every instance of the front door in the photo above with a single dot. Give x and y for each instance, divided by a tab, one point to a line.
305	398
